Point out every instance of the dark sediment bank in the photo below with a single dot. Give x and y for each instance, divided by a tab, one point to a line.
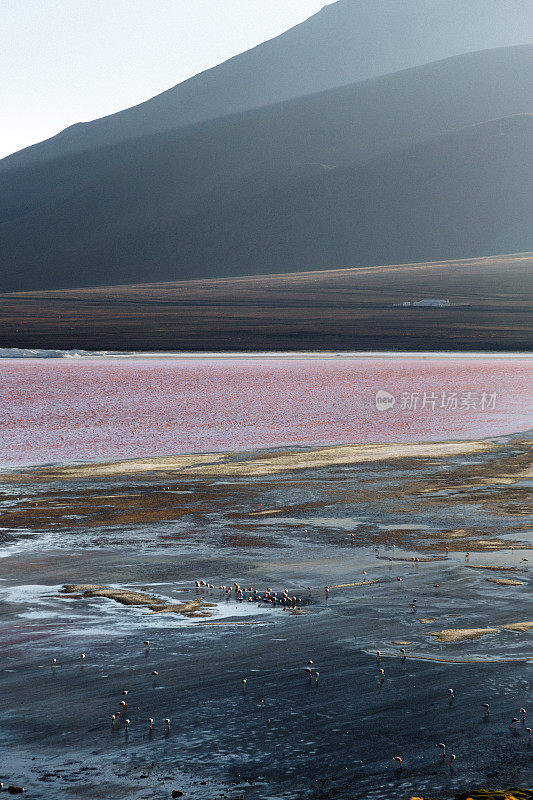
357	528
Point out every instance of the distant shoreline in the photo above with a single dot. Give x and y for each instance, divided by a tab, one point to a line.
27	353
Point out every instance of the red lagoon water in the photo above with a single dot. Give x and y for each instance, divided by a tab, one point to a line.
60	410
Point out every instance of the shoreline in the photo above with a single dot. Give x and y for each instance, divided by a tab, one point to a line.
255	462
20	353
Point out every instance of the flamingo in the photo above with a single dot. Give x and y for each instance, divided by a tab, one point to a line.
400	762
244	684
316	677
452	759
82	656
113	718
147	643
523	715
404	654
452	696
167	721
528	731
150	723
382	673
443	748
486	707
513	722
126	723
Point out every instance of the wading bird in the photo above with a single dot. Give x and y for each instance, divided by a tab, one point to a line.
167	722
443	748
486	707
452	696
399	761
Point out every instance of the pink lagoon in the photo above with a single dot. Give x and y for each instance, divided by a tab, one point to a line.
109	408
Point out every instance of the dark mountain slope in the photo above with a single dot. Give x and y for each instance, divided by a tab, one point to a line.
465	194
353	123
163	192
347	41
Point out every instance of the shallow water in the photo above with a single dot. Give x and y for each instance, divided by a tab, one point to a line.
56	410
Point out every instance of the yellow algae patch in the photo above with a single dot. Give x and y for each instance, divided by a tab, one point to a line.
192	608
401	642
357	583
127	597
242	465
494	569
265	513
505	581
518	626
81	587
480	660
426	620
460	634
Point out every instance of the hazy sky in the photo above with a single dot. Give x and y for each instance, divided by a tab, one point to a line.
65	61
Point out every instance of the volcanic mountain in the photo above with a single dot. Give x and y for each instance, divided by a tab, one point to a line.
348	41
428	162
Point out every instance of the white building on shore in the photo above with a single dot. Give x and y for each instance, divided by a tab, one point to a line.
432	303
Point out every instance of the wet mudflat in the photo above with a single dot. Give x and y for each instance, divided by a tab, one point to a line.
356	528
